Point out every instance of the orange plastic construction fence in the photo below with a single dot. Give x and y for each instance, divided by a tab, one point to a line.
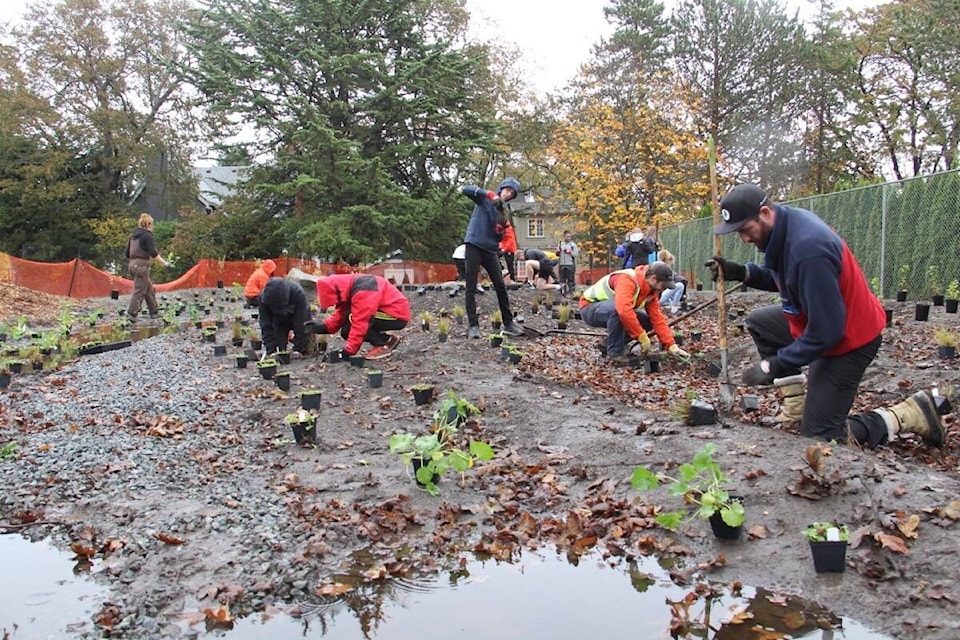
80	279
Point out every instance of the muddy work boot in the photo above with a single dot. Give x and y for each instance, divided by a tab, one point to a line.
917	414
793	395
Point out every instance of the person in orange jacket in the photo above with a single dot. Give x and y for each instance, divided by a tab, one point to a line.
257	281
365	307
508	249
627	302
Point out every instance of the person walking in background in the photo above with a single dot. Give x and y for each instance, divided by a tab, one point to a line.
652	244
257	281
141	251
488	223
627	303
459	261
508	249
365	307
670	298
283	308
568	253
827	319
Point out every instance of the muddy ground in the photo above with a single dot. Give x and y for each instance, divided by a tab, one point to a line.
173	471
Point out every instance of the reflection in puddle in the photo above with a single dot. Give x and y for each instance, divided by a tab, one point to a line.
40	596
543	596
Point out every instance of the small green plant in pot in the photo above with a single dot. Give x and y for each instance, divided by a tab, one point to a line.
443	329
431	455
946	343
700	482
828	546
426	319
304	426
496	320
454	410
952	296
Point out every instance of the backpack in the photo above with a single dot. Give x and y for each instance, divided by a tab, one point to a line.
641	250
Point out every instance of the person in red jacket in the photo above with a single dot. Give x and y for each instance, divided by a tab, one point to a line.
508	249
828	320
257	281
365	307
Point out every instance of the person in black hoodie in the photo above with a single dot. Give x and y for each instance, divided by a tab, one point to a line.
283	308
141	249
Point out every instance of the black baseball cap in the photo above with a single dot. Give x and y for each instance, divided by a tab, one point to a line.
739	206
663	274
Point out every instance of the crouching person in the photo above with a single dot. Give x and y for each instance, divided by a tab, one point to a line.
627	303
365	307
283	308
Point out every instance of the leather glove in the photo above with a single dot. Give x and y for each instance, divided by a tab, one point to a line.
764	372
731	270
678	353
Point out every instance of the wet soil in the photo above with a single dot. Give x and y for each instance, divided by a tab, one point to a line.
189	494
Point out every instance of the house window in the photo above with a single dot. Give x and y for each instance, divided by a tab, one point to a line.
535	228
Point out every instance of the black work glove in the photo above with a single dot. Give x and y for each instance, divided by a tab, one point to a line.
315	327
765	371
731	270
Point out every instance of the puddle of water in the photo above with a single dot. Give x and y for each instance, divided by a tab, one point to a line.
543	596
40	597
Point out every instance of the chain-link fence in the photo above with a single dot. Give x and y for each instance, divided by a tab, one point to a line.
906	234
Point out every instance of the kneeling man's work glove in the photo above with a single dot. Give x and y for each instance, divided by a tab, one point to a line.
764	372
643	343
731	270
678	353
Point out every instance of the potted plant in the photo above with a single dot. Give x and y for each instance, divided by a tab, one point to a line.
515	355
310	399
242	360
952	296
946	343
496	320
921	311
454	410
256	343
563	316
374	378
934	285
828	546
443	329
902	274
496	339
5	376
283	356
459	313
304	426
431	455
425	318
701	483
219	349
282	380
237	333
267	368
209	334
422	393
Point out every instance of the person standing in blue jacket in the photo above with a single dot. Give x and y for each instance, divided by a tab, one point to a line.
488	222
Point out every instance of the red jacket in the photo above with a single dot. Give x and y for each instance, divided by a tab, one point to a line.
356	297
509	242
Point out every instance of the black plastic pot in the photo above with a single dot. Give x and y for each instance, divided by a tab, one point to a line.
256	344
441	337
889	314
947	353
701	413
937	300
375	379
422	396
242	361
651	366
357	361
829	557
721	529
304	432
951	305
4	380
921	312
515	357
310	400
114	295
496	340
750	402
901	296
283	357
417	463
220	350
267	373
283	381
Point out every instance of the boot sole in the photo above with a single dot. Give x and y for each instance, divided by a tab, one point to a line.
935	436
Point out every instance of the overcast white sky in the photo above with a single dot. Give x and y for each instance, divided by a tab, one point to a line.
555	37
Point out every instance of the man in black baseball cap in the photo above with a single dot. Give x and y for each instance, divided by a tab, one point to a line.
741	205
827	319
